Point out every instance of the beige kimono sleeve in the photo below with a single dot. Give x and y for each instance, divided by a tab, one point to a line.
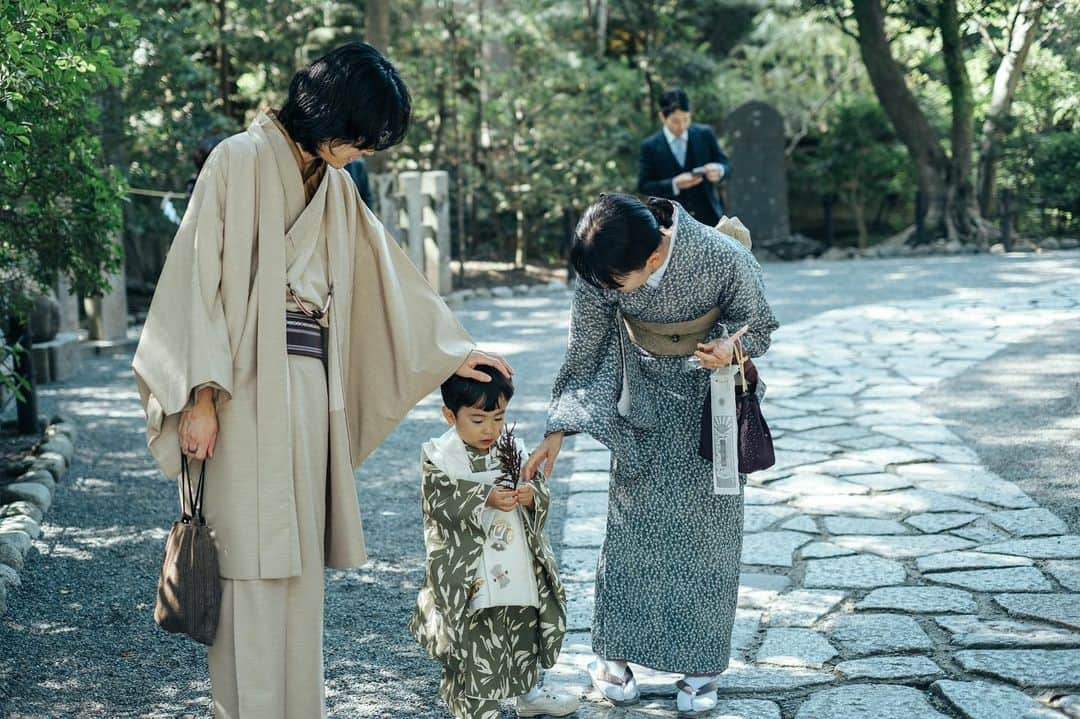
185	340
403	343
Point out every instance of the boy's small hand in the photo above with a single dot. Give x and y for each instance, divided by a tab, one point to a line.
525	495
502	499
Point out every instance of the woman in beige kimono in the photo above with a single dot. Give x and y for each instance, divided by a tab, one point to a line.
287	337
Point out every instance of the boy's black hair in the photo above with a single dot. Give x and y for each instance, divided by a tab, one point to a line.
674	99
615	236
351	96
458	392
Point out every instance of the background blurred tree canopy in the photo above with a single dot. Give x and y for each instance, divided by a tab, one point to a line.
535	107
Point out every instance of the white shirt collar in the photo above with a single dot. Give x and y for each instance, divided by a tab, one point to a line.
671	135
654	279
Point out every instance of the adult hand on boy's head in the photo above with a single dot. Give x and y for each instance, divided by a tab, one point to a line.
545	453
479	357
502	499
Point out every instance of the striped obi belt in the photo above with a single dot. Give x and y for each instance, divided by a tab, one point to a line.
304	333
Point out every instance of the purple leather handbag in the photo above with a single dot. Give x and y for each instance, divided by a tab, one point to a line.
755	442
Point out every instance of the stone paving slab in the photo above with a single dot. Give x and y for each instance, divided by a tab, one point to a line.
919	600
869	701
971	631
1056	608
985	700
1010	579
860	635
803	607
1066	572
794	647
907	668
879	549
1026	667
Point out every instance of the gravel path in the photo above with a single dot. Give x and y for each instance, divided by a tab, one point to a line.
79	640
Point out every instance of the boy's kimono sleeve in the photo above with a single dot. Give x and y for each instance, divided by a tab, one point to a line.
552	610
454	538
455	505
536	518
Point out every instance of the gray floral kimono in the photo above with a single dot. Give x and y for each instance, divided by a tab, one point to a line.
668	574
494	653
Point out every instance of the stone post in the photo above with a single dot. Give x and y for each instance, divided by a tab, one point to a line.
108	314
436	188
411	184
389	208
69	306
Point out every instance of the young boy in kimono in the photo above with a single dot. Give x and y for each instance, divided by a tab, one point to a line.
492	609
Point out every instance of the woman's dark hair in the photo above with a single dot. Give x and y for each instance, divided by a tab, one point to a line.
352	95
616	235
458	392
674	99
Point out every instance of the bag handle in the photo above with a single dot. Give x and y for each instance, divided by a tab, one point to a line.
195	500
740	357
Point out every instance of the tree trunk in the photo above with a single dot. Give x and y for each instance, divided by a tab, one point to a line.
479	125
377	24
900	105
1025	21
950	211
519	236
455	116
601	27
222	59
377	34
19	337
961	220
858	209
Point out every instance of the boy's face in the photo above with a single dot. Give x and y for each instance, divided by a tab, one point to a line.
477	428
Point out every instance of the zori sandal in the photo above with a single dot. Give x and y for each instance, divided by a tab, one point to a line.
620	691
692	702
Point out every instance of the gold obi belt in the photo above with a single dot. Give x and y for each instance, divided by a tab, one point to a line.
671	339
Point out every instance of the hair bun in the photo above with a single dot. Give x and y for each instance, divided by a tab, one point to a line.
663	210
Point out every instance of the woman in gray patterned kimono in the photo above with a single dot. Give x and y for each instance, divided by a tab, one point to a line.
668	573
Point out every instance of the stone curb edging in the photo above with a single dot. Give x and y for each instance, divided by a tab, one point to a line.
25	501
458	298
941	247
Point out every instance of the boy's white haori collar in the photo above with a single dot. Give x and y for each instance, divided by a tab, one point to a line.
450	455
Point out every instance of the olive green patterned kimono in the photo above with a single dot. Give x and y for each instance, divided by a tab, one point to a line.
487	654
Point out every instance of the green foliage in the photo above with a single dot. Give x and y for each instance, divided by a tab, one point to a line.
173	96
857	159
1054	164
59	203
796	60
534	107
536	113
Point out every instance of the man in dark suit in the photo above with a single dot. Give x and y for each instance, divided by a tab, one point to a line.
683	161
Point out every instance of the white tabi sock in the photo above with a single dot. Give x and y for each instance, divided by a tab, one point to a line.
616	667
698	682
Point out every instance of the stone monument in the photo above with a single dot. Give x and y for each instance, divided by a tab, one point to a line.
757	188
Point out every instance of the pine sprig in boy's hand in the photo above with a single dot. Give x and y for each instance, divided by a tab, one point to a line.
509	456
